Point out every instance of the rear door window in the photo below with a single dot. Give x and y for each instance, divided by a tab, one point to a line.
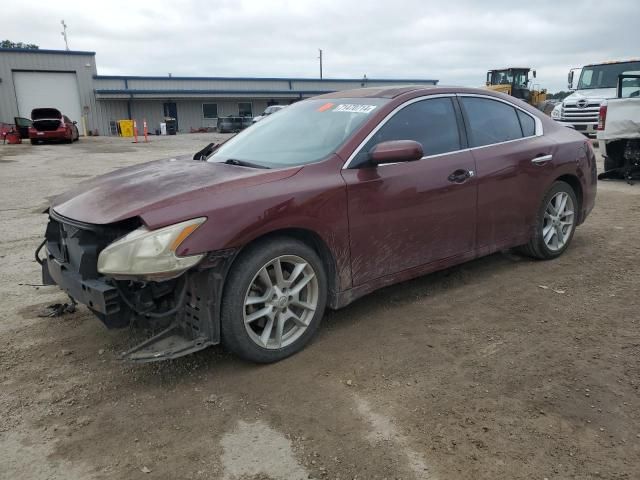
432	123
490	121
527	123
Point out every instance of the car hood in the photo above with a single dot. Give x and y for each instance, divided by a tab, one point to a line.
136	190
591	94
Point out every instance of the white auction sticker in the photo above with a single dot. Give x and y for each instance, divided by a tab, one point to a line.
354	108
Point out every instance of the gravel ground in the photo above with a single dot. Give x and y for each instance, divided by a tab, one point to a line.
500	368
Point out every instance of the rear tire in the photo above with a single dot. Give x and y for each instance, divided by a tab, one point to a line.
34	141
266	315
555	223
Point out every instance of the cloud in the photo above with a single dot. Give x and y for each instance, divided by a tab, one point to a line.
455	41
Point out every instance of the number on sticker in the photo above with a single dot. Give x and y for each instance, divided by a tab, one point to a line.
352	108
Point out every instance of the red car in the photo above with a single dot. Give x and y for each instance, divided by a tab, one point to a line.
49	124
334	197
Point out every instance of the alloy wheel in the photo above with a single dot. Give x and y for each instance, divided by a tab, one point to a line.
559	221
280	302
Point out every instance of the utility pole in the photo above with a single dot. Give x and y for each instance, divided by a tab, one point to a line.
320	57
64	34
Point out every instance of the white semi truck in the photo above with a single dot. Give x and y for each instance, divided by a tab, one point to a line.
596	83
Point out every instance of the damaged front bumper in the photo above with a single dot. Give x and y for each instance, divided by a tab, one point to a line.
190	303
101	298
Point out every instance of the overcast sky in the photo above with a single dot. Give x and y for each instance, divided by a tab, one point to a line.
453	41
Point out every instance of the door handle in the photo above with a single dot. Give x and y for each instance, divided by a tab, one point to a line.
461	176
540	159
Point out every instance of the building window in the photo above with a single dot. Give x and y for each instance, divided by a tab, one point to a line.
210	110
244	109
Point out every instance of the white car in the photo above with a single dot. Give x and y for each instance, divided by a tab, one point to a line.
268	111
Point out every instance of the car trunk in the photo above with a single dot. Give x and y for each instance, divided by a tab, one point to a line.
46	119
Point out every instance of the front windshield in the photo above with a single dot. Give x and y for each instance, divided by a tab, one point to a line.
520	78
302	133
604	76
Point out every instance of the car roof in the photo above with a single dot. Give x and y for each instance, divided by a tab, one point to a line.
509	68
612	62
375	92
407	90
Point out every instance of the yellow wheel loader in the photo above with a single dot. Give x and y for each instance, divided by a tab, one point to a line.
515	81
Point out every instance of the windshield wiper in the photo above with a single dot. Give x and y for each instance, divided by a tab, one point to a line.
243	163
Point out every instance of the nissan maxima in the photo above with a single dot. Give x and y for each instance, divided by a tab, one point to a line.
332	198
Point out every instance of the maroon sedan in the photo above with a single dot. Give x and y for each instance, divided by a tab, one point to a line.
49	124
332	198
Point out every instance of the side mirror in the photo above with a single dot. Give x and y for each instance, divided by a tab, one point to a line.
570	80
395	151
534	73
74	122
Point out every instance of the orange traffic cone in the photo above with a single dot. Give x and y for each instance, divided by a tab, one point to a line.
135	132
145	130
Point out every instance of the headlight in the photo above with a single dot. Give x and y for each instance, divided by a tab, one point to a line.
556	112
150	253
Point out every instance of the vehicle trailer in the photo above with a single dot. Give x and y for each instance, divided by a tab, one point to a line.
619	130
596	83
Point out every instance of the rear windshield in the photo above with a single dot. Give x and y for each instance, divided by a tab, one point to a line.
630	86
302	133
41	113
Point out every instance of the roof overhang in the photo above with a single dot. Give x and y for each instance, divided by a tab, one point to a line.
45	51
128	94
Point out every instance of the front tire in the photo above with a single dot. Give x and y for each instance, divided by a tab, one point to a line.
555	223
274	300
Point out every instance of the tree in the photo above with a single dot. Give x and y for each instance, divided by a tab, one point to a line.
10	44
559	95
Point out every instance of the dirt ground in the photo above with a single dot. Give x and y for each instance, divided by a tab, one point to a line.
501	368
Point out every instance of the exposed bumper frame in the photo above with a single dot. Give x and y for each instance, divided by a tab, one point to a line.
102	298
194	327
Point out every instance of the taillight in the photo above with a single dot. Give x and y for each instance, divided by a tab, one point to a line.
602	117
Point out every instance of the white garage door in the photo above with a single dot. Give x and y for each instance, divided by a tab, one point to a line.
47	89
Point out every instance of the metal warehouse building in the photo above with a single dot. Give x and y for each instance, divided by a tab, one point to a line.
69	81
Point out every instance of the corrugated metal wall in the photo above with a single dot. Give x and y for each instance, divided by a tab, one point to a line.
113	110
82	63
189	111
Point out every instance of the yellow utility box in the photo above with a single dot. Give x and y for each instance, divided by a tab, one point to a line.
126	128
